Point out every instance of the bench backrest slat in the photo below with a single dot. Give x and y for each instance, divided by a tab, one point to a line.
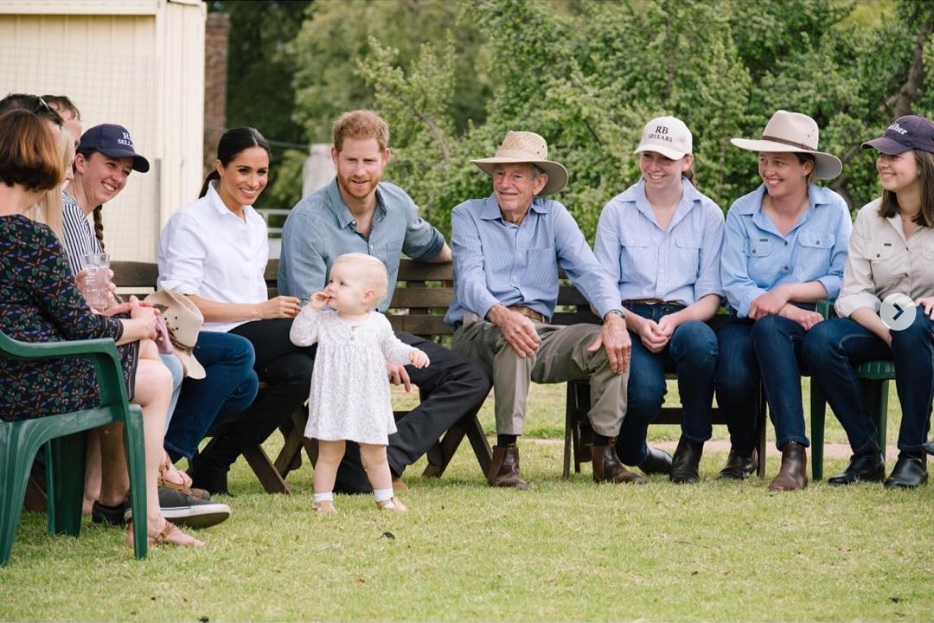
423	294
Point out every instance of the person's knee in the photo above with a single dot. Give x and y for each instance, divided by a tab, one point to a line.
921	330
695	343
818	343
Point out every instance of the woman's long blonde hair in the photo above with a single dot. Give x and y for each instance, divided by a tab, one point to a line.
49	209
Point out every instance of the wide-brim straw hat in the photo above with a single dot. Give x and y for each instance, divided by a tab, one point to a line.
797	133
527	148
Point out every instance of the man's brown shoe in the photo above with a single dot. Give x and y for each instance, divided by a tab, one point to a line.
607	468
504	470
793	474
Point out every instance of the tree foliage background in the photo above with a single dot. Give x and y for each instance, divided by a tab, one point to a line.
452	77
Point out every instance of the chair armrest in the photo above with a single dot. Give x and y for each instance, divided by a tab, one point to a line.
824	307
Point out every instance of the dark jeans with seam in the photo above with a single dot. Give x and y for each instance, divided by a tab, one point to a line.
692	353
229	386
836	347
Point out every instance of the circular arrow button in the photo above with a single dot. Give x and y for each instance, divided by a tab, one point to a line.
898	311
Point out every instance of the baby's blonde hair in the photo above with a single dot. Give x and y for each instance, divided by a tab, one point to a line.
370	269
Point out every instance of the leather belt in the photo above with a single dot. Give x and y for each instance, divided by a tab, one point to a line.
528	312
631	302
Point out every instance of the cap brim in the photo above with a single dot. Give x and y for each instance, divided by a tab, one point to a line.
557	174
672	154
886	146
139	163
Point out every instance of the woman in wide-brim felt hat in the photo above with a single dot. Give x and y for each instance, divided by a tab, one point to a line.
784	249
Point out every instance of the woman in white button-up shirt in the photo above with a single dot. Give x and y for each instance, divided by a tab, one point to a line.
215	250
890	270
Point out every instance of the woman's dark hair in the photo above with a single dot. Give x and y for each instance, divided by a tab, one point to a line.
29	153
229	147
925	216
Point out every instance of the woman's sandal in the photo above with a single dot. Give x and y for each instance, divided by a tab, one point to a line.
397	505
169	535
325	508
172	477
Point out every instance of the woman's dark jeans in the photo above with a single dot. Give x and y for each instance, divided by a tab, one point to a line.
692	354
834	348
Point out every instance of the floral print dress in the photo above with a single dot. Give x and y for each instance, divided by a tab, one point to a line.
39	302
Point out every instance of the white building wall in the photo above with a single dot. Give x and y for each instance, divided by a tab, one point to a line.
138	63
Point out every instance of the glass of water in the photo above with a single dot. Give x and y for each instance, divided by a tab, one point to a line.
97	285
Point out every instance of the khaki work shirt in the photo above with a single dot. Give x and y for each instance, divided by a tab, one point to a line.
882	262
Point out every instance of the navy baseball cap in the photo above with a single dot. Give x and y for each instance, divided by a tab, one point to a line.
113	141
908	132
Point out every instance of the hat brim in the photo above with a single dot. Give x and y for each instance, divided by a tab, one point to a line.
139	163
671	154
557	174
193	368
827	165
886	146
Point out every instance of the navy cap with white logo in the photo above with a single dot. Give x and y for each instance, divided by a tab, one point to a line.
908	132
113	141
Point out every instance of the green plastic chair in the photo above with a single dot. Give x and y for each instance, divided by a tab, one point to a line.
65	436
874	377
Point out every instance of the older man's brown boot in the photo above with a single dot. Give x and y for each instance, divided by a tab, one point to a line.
793	474
607	467
504	469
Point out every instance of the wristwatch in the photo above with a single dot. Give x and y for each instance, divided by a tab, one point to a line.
618	312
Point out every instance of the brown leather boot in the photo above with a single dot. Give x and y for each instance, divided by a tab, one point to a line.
793	474
504	470
607	468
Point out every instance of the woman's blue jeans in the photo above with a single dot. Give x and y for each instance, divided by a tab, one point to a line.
228	388
835	347
692	354
778	344
737	381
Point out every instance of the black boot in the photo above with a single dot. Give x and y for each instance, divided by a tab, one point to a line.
739	466
685	465
862	468
909	472
209	467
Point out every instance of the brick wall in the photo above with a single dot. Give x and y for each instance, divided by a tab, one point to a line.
216	41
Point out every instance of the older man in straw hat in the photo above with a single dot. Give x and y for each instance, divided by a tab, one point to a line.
507	249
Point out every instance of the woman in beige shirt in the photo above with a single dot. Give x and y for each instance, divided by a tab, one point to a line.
891	261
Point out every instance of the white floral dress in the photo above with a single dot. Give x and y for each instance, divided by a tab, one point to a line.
350	396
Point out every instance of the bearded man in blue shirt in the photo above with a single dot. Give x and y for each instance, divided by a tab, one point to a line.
507	250
357	212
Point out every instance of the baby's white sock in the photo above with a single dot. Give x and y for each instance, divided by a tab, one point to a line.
384	495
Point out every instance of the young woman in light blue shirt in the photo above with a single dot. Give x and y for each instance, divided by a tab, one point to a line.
660	240
785	248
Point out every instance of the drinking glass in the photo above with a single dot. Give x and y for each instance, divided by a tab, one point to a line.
96	287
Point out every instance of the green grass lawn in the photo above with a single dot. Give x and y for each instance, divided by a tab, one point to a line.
570	551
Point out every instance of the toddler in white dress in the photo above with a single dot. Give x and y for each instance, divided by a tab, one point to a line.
350	396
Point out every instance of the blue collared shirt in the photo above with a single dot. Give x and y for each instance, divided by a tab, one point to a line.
681	264
320	228
497	262
756	257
